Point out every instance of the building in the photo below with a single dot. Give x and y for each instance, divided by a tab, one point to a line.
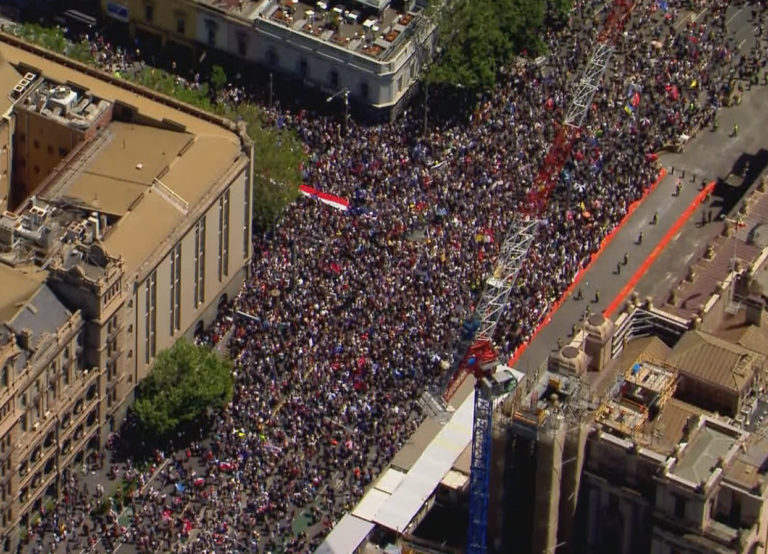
640	435
371	49
126	225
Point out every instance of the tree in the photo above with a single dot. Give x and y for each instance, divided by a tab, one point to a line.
217	79
278	156
477	37
183	384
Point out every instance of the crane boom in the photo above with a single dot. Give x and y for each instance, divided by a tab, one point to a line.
476	353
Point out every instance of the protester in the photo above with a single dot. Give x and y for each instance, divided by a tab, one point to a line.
353	314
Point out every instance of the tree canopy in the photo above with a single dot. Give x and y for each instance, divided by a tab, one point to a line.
477	37
278	153
183	384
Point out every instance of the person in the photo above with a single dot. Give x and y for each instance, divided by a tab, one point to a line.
579	294
655	218
618	268
597	295
735	130
640	238
714	124
626	258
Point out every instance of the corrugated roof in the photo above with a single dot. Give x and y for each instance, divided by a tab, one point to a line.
707	358
753	338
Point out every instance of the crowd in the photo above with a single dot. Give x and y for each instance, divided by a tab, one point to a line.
351	313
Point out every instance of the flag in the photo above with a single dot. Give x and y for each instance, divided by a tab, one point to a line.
334	201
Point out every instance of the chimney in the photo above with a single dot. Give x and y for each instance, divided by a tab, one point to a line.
599	341
23	339
755	306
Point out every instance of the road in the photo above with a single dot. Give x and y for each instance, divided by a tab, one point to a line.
708	156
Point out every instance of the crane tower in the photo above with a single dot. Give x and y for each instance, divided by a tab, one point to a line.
476	353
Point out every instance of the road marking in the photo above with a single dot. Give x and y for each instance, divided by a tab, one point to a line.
671	235
734	16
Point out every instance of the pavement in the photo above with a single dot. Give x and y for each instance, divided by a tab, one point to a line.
708	156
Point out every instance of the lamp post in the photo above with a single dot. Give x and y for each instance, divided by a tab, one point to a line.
345	93
270	89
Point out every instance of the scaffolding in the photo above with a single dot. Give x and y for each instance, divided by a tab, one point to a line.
641	393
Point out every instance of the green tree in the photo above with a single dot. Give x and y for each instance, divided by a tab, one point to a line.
477	37
278	153
217	79
278	156
183	384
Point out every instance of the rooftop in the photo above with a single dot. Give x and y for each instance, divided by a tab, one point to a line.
128	187
42	313
713	360
638	396
120	167
373	29
707	450
9	78
18	287
66	104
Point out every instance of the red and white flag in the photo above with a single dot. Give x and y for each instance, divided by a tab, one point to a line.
334	201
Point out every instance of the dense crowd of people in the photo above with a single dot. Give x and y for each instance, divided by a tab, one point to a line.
353	314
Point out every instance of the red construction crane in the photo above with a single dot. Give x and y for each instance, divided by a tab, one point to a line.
476	353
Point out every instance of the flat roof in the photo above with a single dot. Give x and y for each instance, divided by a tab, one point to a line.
346	536
131	157
433	465
105	89
701	456
206	161
16	288
131	236
416	443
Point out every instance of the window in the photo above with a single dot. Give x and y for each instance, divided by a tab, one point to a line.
334	78
200	262
175	289
242	44
364	90
400	84
50	149
211	25
150	315
36	144
149	12
224	235
181	25
63	151
272	59
679	507
247	219
303	67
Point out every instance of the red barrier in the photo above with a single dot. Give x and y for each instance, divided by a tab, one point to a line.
657	251
606	241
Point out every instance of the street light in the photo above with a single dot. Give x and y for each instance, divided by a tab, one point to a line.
345	93
270	89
